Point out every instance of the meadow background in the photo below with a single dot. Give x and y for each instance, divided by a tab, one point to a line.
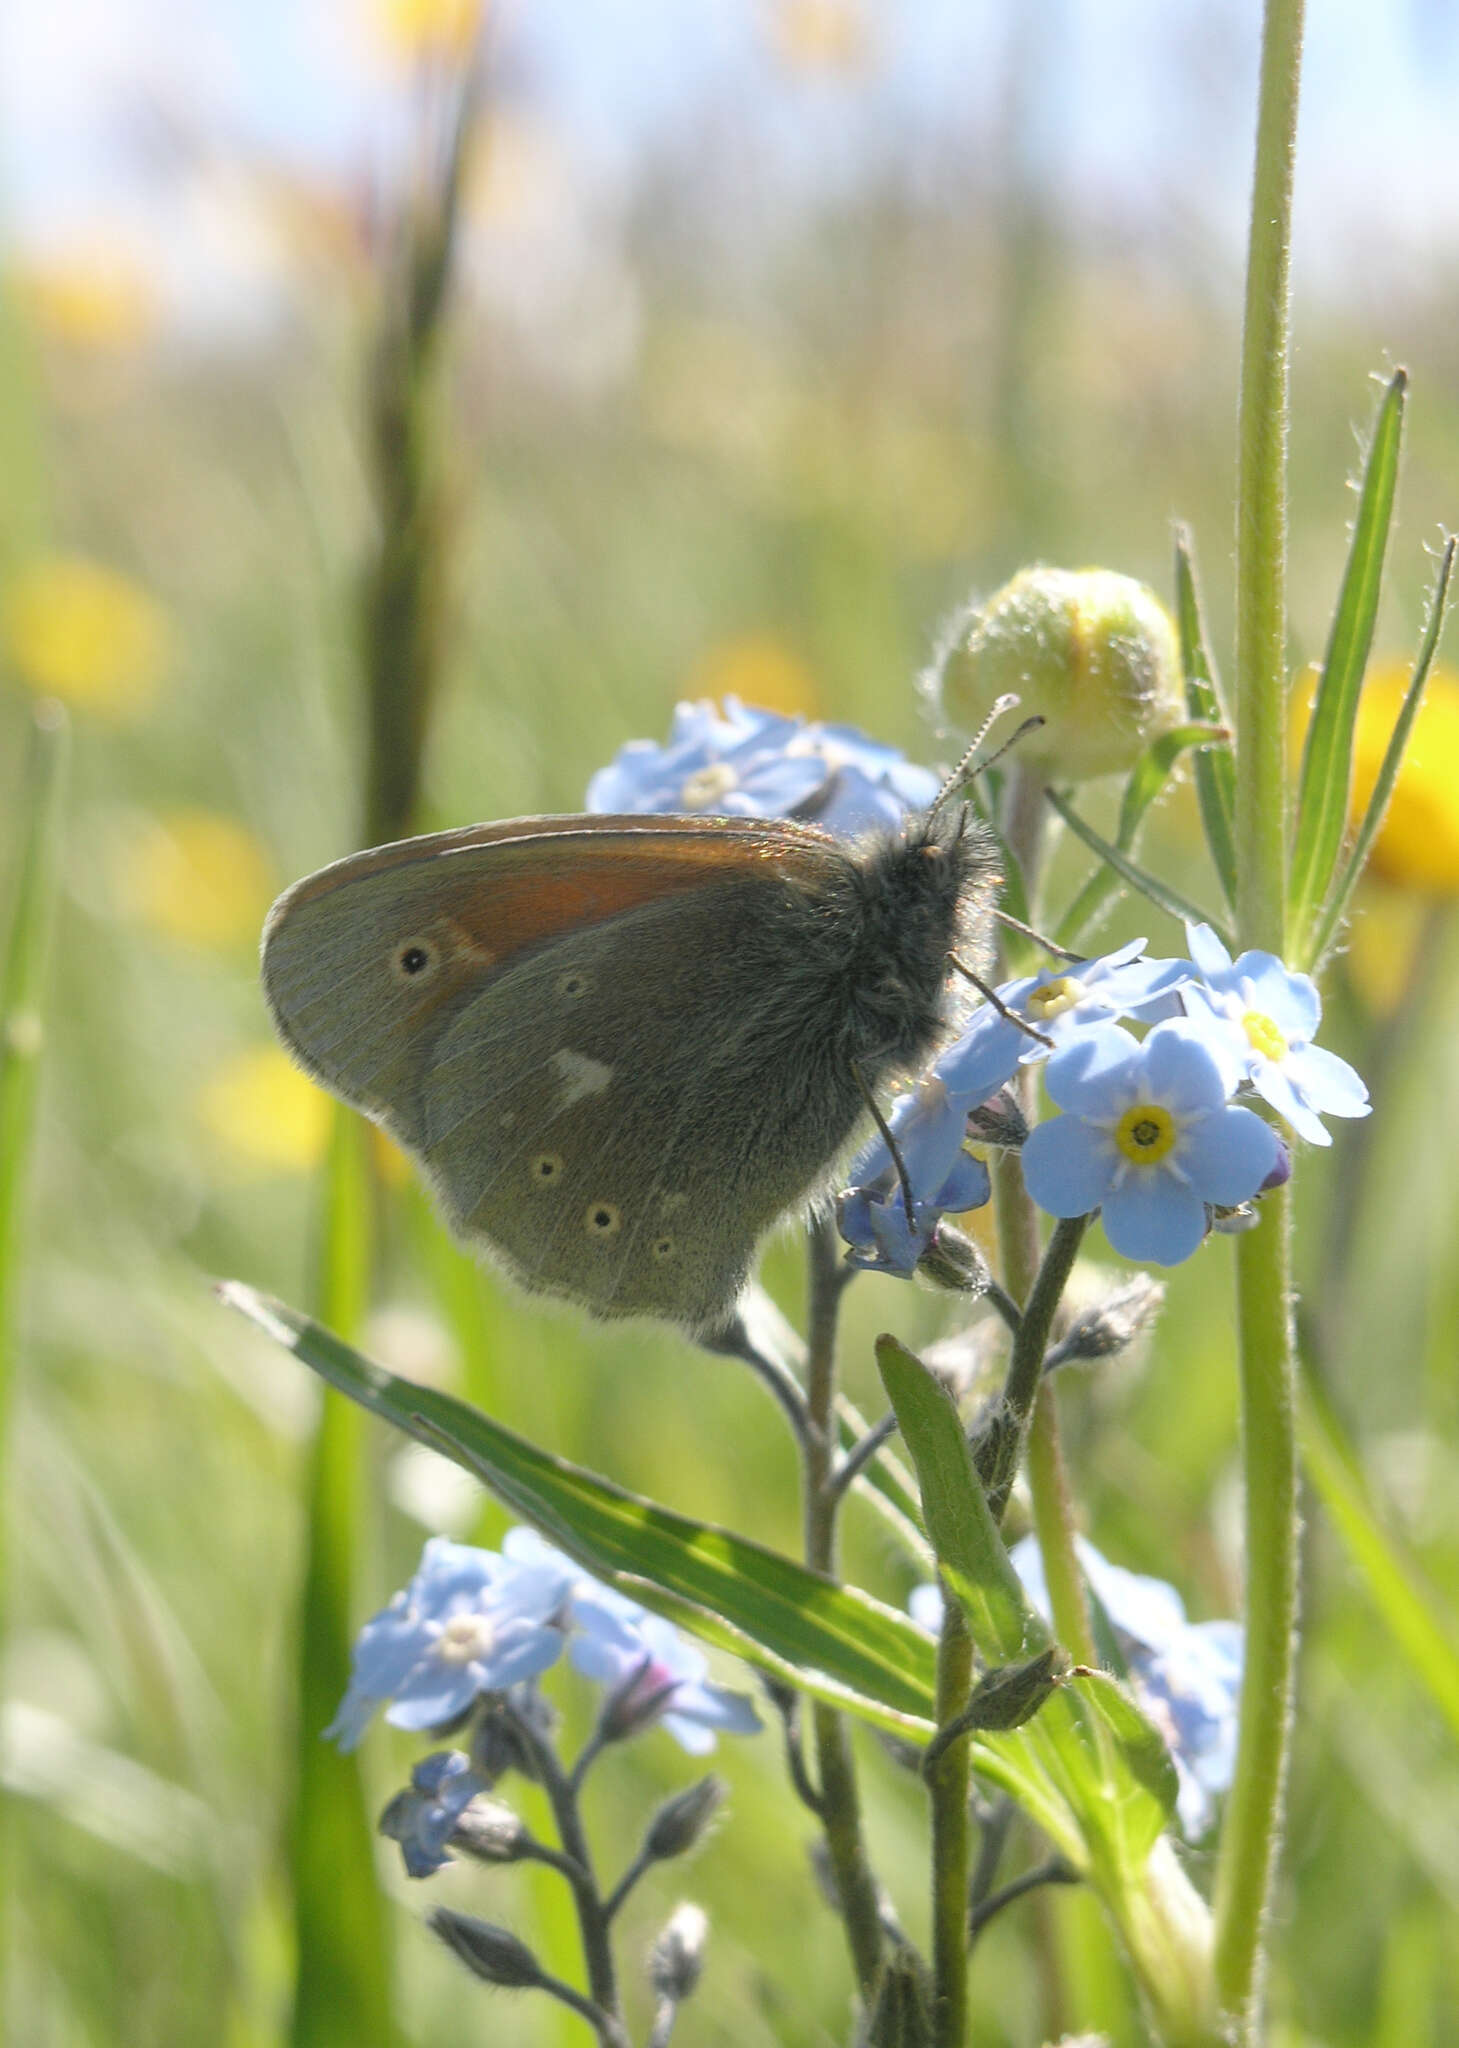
773	330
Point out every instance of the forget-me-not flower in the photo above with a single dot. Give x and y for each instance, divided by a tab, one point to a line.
928	1127
1148	1136
423	1818
656	1675
469	1622
735	761
1267	1016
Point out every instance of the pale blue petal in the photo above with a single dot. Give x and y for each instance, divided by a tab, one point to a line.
1290	1000
1067	1166
1228	1155
981	1059
1154	1218
1326	1082
1208	955
1182	1071
1273	1083
1093	1076
691	1737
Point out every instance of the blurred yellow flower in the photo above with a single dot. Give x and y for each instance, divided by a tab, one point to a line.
200	878
1418	846
820	35
91	299
427	30
74	629
758	669
1383	945
266	1113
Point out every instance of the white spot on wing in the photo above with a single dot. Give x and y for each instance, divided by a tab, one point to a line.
580	1076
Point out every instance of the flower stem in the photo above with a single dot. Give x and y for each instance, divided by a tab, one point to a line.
950	1824
839	1797
1252	1828
593	1916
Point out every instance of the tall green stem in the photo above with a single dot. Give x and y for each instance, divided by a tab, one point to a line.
836	1768
950	1832
1252	1829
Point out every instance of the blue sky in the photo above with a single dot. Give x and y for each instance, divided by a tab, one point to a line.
1142	110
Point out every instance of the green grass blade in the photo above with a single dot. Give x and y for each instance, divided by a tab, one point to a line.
341	1923
1326	778
1159	893
1147	778
806	1620
23	979
1336	908
1406	1604
1215	766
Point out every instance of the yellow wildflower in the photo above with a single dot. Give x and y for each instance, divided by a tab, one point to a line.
1418	846
820	35
91	299
267	1114
759	669
199	878
431	30
74	629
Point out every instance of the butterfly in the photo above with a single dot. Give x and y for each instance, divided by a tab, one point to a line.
623	1048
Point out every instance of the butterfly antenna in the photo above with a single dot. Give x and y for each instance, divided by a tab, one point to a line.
965	771
890	1142
991	995
1026	931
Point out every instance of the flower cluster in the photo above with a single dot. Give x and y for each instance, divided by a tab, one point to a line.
1185	1675
477	1624
1150	1134
737	762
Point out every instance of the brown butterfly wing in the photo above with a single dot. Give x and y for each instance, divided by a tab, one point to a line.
598	1114
365	961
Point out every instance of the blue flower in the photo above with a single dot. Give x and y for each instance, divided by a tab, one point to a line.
1185	1675
655	1674
1266	1017
423	1818
1065	1000
929	1126
1148	1137
743	763
469	1622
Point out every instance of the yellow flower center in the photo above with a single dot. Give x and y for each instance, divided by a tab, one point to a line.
1052	998
1263	1036
1145	1133
464	1638
706	786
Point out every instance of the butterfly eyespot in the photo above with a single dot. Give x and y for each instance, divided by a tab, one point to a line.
415	958
546	1166
603	1219
664	1248
572	984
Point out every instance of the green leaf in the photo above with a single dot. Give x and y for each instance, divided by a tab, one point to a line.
341	1929
1407	1604
23	988
960	1523
1215	766
1147	778
1336	907
880	1657
1326	778
1089	1765
1164	897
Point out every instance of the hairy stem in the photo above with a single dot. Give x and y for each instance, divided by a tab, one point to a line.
948	1783
1251	1831
593	1915
839	1797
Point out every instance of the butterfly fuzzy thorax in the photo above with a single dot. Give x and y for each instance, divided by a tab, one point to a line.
624	1048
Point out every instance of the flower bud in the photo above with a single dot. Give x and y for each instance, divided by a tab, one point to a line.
1111	1324
1008	1697
493	1954
1094	654
491	1832
952	1260
677	1957
681	1821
